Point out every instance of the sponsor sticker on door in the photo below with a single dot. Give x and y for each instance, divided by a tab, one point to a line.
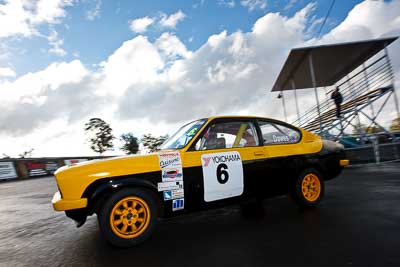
163	186
170	166
173	194
167	195
172	178
178	204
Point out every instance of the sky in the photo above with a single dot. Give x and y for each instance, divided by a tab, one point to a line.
151	66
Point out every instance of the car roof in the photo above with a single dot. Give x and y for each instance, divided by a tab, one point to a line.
251	117
238	117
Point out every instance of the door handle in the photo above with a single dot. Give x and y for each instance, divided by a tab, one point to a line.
259	153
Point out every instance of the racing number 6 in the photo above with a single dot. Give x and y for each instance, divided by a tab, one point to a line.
222	173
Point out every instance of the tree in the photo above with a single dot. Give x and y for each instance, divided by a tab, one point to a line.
100	135
131	143
26	154
367	130
372	129
395	125
152	142
358	127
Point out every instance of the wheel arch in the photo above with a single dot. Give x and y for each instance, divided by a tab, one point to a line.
312	162
100	190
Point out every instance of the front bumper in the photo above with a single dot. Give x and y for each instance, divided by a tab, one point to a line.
60	204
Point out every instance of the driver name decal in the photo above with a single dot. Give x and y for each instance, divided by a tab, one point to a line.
222	175
280	139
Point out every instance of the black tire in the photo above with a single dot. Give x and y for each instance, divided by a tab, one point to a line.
308	197
118	237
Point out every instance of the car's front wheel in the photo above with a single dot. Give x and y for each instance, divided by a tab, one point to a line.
128	217
309	188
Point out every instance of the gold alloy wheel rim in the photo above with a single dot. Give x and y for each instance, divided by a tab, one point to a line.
130	217
311	187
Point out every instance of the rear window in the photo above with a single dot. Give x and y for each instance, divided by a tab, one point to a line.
274	133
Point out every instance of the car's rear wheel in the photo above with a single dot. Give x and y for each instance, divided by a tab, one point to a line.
128	217
309	188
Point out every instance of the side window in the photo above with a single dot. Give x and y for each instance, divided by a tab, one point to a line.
228	135
273	133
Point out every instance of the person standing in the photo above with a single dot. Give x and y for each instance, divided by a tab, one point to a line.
338	99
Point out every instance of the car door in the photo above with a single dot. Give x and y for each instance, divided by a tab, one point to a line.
280	143
221	164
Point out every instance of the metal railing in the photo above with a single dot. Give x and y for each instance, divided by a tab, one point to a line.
376	75
373	153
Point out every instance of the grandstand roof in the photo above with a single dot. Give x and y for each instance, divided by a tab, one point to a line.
331	63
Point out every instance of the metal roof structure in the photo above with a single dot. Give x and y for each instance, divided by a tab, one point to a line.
319	66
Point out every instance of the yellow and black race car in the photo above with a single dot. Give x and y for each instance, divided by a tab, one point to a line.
207	163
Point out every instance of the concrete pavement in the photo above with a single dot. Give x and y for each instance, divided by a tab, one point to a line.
357	224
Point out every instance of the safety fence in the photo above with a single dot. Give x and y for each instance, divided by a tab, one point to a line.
14	168
374	153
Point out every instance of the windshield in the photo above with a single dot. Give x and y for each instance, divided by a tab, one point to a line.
183	135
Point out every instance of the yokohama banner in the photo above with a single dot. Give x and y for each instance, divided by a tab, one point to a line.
70	162
36	168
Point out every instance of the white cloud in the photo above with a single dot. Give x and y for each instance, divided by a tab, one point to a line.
140	25
199	4
38	83
216	39
36	99
94	13
151	86
7	72
228	74
14	19
290	4
49	11
172	20
227	3
25	17
137	61
171	46
369	19
164	21
56	44
254	4
22	17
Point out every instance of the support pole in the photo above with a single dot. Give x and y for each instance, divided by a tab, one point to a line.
326	94
357	116
392	81
297	104
352	94
341	129
360	130
368	88
284	105
376	151
396	101
311	65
